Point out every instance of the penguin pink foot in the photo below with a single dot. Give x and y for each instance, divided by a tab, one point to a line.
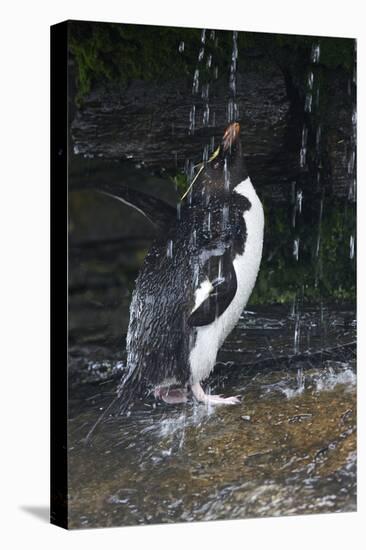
203	397
172	396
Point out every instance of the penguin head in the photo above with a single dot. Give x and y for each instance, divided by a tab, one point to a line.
226	168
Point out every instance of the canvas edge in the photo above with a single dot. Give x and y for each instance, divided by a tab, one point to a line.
59	279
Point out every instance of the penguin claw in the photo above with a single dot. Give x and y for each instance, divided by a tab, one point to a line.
219	400
200	395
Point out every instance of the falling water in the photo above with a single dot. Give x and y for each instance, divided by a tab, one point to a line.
312	87
299	201
308	106
351	165
352	247
196	81
192	119
169	249
317	250
226	175
219	274
315	53
304	140
225	215
232	108
209	221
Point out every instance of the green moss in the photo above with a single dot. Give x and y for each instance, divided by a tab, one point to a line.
328	273
119	52
106	52
181	183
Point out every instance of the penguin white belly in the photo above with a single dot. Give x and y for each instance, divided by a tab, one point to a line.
210	337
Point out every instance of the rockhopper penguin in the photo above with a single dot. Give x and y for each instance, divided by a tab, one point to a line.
195	280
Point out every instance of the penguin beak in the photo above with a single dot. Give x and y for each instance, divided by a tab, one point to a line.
231	135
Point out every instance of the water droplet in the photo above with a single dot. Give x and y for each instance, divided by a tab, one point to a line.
297	334
205	155
308	103
232	112
181	47
169	249
299	200
226	176
212	142
311	80
304	139
225	215
352	247
206	115
209	221
205	91
296	247
192	119
318	137
352	190
219	272
196	81
351	163
315	53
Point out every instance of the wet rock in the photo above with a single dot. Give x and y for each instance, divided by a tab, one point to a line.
147	124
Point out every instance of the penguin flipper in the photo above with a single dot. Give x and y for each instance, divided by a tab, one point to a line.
222	292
